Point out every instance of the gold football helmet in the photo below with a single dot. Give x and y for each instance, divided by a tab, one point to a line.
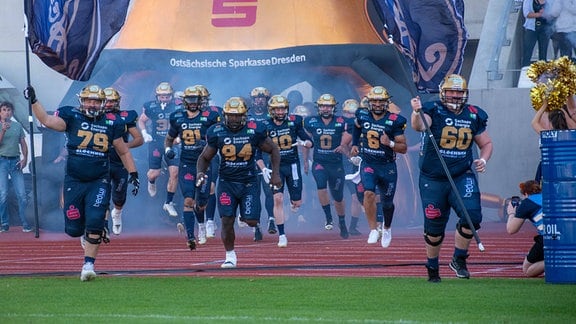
192	98
112	99
205	94
350	106
164	88
326	105
278	107
92	100
260	97
459	92
235	113
378	100
260	92
164	92
302	111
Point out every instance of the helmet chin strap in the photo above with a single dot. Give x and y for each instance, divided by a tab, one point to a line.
456	108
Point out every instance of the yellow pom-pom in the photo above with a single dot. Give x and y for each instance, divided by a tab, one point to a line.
555	82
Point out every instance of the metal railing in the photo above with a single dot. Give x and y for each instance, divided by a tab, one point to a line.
501	39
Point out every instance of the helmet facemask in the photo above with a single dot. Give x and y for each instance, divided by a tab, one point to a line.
326	111
92	107
235	122
260	97
205	95
378	100
259	104
454	93
454	100
278	108
379	106
326	105
112	103
279	113
164	94
92	101
192	103
235	112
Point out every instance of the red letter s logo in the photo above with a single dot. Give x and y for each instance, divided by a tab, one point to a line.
231	15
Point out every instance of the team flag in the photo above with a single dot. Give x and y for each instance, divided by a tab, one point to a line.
68	35
430	33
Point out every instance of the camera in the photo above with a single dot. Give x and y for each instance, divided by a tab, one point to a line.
515	201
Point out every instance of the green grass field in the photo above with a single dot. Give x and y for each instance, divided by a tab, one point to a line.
284	299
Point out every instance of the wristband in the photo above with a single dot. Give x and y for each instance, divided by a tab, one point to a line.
481	159
392	144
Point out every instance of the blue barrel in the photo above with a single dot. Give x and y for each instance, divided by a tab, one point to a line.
558	149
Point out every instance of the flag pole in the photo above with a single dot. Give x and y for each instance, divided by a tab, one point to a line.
31	121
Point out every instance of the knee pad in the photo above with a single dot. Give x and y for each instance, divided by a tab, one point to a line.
93	240
433	243
74	231
462	233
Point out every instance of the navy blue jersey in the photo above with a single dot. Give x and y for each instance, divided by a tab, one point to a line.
287	134
237	150
215	109
261	118
130	117
89	143
531	209
454	135
326	137
192	132
159	118
349	125
371	148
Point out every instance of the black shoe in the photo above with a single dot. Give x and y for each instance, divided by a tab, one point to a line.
354	231
257	234
191	245
458	265
272	227
433	275
343	231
